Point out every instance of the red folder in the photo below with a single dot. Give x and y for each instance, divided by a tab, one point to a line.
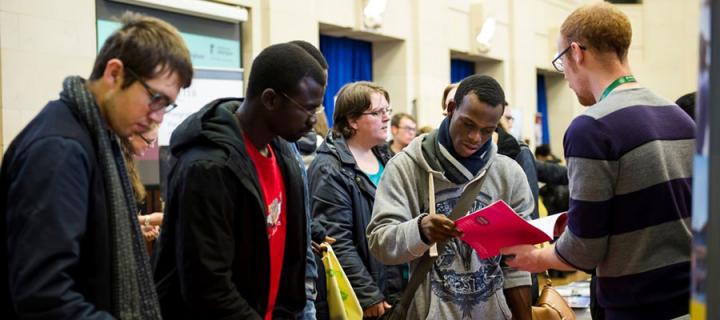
498	226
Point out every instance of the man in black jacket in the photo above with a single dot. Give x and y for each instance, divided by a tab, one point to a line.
235	236
70	233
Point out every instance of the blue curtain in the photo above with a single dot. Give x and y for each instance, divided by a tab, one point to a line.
460	69
348	61
542	108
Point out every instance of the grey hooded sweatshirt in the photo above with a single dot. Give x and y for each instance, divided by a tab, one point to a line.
460	284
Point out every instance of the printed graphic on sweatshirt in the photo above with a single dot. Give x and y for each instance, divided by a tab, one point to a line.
459	276
273	217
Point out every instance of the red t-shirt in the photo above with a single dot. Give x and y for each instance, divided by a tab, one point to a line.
273	189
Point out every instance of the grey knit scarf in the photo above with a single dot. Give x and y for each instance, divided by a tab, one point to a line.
133	290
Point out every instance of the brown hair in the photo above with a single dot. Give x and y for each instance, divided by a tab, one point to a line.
601	26
137	185
445	94
396	118
352	100
143	44
425	129
321	125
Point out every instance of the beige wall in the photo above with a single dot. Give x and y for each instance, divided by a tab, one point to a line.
38	49
664	52
411	50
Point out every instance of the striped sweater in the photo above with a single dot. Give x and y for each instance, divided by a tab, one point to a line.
630	169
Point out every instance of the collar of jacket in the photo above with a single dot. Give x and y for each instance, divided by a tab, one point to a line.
337	146
217	127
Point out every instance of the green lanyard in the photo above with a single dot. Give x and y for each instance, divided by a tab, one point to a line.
615	84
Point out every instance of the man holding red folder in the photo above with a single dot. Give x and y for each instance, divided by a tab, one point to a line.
460	285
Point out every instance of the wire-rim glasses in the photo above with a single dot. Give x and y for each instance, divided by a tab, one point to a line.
313	113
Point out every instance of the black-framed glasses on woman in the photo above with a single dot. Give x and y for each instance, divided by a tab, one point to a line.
312	113
158	101
558	63
376	113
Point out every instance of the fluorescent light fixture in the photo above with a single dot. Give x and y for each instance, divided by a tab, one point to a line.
199	8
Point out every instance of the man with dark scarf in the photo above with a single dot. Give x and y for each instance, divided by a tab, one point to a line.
71	238
460	285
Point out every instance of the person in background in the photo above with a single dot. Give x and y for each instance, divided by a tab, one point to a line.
308	144
629	161
72	247
403	128
507	122
519	151
549	167
448	96
137	145
343	179
508	146
401	230
687	103
305	148
239	250
555	193
543	153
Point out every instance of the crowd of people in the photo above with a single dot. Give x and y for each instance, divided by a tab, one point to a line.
258	185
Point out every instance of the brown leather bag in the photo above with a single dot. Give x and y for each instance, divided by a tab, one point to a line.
551	305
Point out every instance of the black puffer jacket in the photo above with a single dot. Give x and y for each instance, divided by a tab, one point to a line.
342	201
551	172
555	192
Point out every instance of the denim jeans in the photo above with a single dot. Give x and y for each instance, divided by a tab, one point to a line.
309	312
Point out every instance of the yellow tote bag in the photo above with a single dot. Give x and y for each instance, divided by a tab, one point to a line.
341	299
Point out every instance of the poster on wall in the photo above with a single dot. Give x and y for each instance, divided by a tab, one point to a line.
205	51
701	173
207	86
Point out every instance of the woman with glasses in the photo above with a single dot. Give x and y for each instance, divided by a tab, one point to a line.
137	145
343	178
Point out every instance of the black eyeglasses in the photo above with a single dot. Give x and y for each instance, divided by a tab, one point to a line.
312	113
557	62
158	101
378	113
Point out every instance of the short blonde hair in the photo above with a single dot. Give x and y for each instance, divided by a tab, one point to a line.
601	26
